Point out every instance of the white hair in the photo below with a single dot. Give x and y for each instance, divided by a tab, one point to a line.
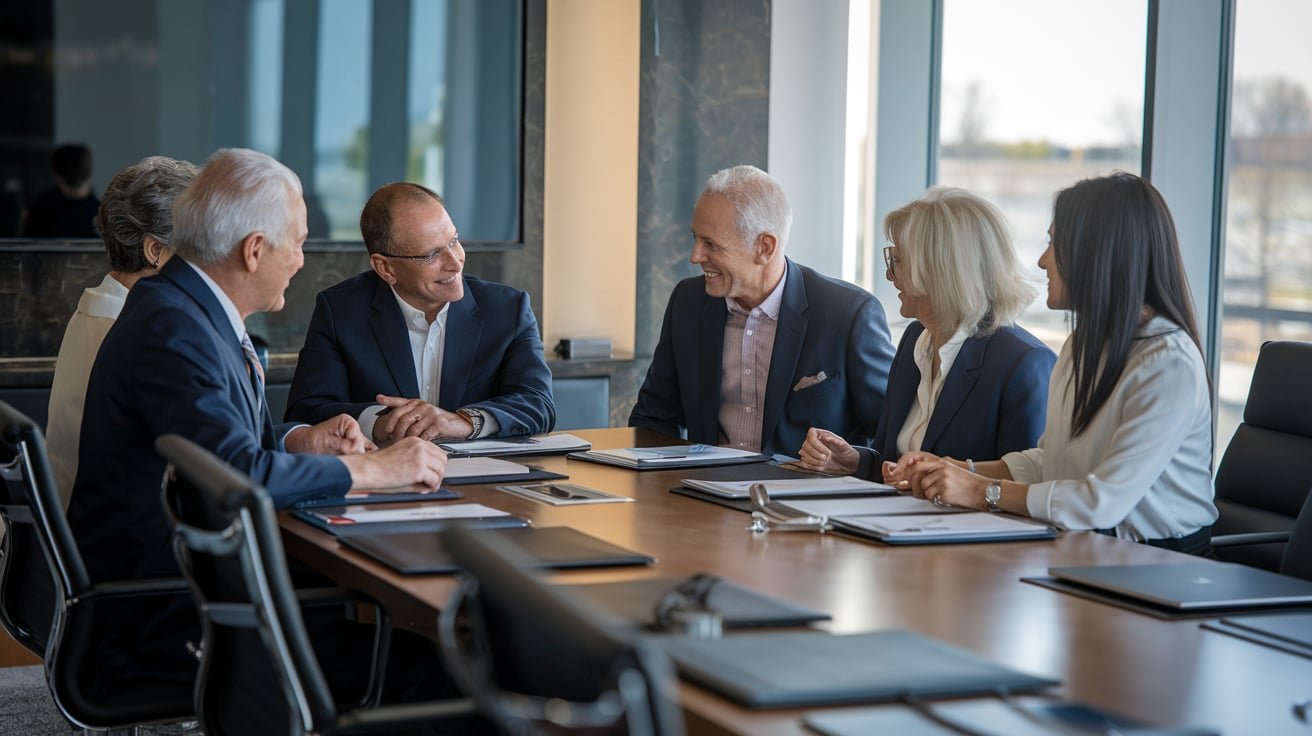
238	192
954	247
760	202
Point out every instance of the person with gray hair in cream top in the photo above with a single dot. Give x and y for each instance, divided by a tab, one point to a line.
966	381
1128	445
135	221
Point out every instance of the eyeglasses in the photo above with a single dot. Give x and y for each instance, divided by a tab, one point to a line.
890	259
454	248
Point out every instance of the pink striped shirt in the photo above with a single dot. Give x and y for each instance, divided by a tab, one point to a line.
745	368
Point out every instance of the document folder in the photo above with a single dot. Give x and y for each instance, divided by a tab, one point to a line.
545	444
811	668
348	520
635	601
671	457
356	498
557	547
1288	632
1013	717
939	528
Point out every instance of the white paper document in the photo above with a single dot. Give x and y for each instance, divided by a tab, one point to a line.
869	506
674	454
543	444
376	515
975	525
472	467
793	488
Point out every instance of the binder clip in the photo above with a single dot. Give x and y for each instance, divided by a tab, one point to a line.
685	610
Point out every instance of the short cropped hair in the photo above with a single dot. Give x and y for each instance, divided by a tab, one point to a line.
139	202
761	203
71	162
954	247
238	192
376	217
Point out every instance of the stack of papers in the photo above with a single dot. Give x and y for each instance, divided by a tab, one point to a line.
545	444
482	467
673	456
793	488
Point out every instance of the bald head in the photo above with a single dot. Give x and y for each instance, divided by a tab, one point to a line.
378	218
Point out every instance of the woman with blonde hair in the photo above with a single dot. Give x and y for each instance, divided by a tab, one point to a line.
966	381
1128	446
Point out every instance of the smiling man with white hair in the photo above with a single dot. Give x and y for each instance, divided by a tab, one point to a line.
759	348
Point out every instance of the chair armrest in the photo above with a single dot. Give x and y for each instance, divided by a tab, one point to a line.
389	716
135	588
1240	540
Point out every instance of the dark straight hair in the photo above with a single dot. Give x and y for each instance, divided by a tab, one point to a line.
1116	248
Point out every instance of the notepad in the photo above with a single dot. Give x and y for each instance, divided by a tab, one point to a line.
792	488
672	456
543	444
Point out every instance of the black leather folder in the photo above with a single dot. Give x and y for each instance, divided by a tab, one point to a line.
1018	717
811	668
635	601
1288	632
534	473
441	494
554	547
316	517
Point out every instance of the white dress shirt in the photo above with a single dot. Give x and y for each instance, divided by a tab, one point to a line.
1143	466
912	434
96	312
427	349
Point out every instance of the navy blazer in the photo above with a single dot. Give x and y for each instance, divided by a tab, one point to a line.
170	364
358	346
825	325
994	399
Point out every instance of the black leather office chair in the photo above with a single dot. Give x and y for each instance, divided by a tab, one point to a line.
47	601
259	673
537	661
1264	476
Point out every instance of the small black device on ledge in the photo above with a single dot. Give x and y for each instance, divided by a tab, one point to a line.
583	349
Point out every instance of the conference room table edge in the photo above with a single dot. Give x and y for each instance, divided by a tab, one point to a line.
1161	672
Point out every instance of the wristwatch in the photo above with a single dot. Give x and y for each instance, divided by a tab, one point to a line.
992	495
475	418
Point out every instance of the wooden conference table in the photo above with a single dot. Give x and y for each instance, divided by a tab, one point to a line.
1161	672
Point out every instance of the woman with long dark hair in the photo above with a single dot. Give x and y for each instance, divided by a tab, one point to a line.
1128	444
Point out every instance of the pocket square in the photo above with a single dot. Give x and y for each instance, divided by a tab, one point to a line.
809	381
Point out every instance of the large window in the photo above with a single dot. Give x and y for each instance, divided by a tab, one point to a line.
1268	238
1036	95
350	94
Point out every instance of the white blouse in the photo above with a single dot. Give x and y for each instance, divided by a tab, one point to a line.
1143	466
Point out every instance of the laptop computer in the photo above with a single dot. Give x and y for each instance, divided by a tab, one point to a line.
1192	586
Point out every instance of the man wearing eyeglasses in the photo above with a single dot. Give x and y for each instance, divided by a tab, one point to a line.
759	349
416	348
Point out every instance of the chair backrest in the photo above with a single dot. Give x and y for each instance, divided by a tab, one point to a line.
1298	552
1263	478
529	643
258	672
40	561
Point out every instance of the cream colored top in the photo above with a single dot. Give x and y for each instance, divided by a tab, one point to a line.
1143	466
96	312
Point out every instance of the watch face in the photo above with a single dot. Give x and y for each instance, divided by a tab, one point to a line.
992	493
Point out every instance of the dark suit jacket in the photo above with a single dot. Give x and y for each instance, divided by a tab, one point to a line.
994	399
170	364
357	347
824	325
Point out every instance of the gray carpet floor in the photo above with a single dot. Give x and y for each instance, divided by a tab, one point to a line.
26	708
25	704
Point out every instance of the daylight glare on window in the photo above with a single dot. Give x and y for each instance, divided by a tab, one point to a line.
1036	95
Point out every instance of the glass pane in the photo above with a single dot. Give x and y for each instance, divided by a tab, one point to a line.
298	79
1036	95
1267	293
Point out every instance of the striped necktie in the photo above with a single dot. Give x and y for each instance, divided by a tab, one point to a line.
255	368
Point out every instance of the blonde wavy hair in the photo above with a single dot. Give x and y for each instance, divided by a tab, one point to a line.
954	247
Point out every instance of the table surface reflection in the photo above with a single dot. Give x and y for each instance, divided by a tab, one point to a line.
1160	672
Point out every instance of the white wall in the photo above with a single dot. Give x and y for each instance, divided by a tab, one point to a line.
590	200
808	93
